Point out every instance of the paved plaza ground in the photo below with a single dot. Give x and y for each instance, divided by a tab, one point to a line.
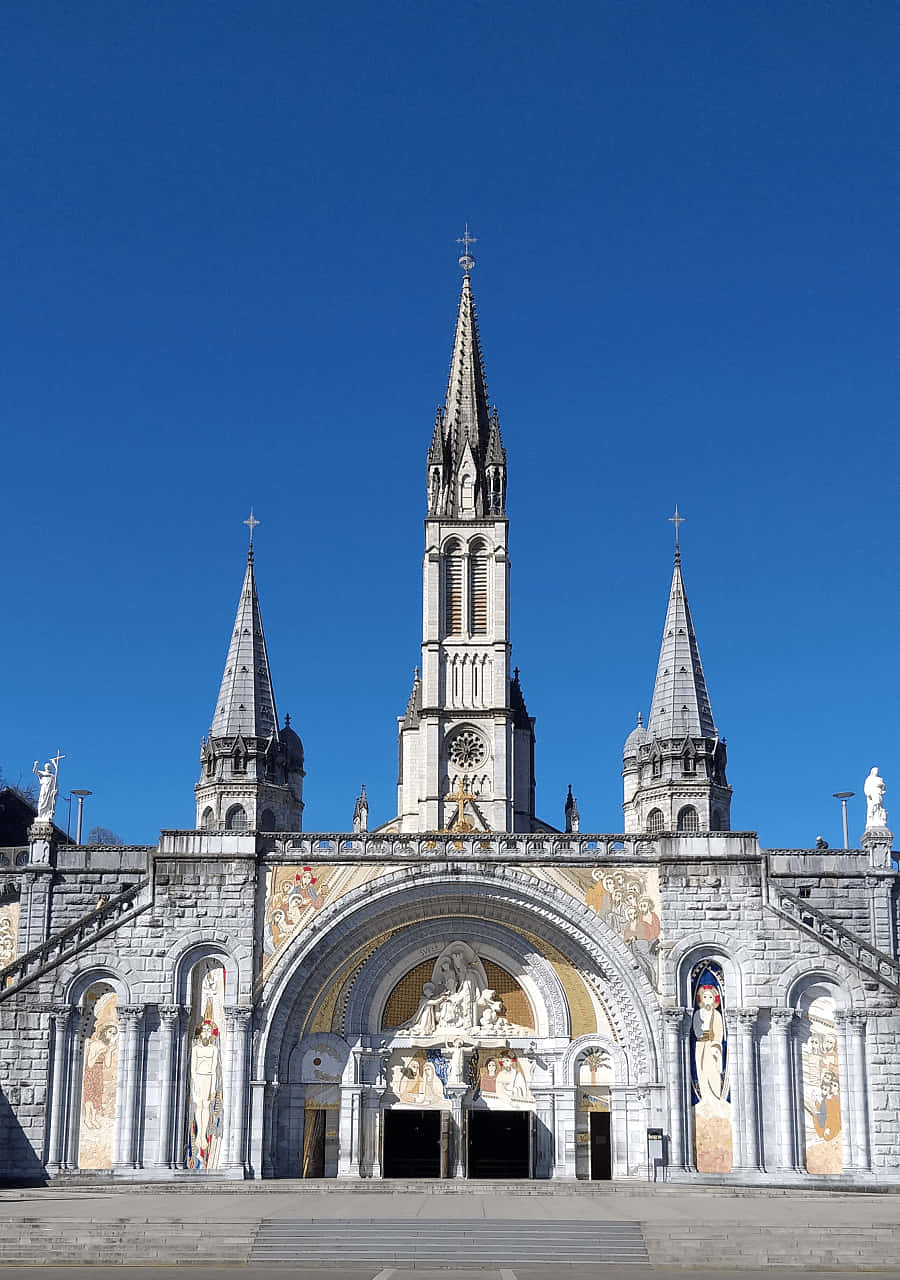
526	1233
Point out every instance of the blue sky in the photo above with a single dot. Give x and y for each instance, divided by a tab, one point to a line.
228	237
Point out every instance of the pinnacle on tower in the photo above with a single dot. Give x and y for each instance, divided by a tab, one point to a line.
680	705
246	702
466	459
573	821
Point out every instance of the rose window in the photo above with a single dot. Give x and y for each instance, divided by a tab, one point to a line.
467	749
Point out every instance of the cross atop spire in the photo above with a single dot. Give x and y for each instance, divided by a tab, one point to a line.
676	520
466	260
252	524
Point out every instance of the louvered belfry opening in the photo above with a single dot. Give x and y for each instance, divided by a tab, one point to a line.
478	593
453	590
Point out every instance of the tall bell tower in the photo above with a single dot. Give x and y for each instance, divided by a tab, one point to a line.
466	750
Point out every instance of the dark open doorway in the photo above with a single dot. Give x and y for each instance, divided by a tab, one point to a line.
499	1144
601	1147
412	1144
314	1143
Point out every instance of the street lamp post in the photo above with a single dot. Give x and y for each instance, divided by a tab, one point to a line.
80	795
844	796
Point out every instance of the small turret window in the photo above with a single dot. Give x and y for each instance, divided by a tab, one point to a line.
687	819
239	762
236	818
208	821
688	764
655	821
656	767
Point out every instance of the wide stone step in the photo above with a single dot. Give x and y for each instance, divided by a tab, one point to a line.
421	1242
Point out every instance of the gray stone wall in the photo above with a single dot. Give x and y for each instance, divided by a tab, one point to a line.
207	890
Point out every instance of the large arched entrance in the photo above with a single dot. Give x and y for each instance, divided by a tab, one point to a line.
464	1023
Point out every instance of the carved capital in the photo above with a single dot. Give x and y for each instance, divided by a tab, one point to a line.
61	1013
852	1019
675	1018
782	1019
744	1018
170	1013
131	1014
238	1017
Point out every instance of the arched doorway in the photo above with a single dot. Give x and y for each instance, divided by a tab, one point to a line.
459	995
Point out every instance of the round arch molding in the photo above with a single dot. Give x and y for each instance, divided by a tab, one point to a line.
512	915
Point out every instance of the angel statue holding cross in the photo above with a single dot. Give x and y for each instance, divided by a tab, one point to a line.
49	777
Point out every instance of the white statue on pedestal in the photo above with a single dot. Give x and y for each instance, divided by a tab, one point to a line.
49	777
874	788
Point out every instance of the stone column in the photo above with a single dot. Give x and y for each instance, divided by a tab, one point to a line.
371	1118
675	1022
181	1066
457	1130
851	1024
785	1100
350	1124
564	1133
746	1087
130	1020
170	1021
237	1020
56	1144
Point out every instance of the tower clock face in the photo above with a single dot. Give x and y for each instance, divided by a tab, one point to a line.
467	749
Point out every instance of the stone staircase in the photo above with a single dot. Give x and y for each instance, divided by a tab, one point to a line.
66	943
877	964
459	1242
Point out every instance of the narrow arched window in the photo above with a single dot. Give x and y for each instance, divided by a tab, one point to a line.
236	818
687	819
655	821
710	1087
208	821
453	589
478	590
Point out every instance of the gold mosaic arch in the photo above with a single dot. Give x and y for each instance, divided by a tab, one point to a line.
404	999
325	1013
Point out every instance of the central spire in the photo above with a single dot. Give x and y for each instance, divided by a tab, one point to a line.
466	461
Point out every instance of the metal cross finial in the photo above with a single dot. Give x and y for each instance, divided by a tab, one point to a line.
676	520
466	261
252	523
56	759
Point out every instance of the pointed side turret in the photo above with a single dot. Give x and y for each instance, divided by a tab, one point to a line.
674	769
251	771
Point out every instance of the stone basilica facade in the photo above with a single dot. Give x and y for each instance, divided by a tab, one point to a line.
465	992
